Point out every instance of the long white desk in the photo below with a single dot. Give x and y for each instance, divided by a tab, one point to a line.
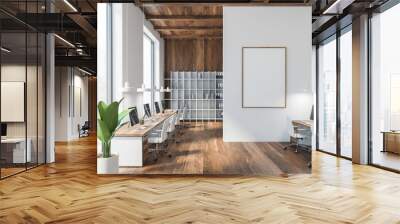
18	151
128	140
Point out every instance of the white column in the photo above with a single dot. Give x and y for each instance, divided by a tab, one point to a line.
360	90
104	53
50	99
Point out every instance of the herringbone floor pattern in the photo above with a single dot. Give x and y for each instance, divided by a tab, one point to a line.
69	191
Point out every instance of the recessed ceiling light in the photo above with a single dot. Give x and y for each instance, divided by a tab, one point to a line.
337	7
5	50
64	40
84	71
70	5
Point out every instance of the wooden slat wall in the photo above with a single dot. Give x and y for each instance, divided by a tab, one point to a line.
193	55
92	100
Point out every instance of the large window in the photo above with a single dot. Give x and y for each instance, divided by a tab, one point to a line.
327	96
148	69
385	89
335	94
346	93
151	68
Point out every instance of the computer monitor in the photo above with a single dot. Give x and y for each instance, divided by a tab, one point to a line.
147	110
133	116
157	106
3	129
163	105
312	113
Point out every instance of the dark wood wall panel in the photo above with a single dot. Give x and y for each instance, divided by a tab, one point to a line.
92	100
193	55
213	55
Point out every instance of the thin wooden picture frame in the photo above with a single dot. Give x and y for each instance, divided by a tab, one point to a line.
285	75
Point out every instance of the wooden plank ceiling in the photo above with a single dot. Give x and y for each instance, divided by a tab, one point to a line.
186	21
193	19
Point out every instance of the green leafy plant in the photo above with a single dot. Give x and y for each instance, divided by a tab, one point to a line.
109	122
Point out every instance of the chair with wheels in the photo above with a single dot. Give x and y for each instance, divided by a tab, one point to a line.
159	137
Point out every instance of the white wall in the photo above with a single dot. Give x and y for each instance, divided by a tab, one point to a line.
67	120
266	26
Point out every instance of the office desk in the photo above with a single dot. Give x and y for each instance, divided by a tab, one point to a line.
128	140
17	152
391	141
303	123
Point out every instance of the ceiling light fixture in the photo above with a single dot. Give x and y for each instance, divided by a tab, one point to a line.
5	50
65	41
70	5
84	71
337	7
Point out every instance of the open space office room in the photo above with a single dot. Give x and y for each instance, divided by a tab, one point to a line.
189	111
207	90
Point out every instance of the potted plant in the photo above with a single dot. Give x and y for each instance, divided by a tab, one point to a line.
108	122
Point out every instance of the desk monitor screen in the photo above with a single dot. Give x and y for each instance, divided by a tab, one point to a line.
164	105
312	113
157	106
133	116
3	129
147	110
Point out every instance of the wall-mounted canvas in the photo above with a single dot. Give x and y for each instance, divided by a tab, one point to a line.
12	101
264	77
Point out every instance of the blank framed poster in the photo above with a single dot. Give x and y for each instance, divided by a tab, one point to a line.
263	77
12	101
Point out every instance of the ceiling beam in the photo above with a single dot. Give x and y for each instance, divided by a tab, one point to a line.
221	3
86	61
180	28
183	17
84	24
191	36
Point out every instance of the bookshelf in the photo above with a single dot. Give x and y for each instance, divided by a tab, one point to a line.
201	92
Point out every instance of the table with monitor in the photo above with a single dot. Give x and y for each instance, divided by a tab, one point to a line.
129	140
13	148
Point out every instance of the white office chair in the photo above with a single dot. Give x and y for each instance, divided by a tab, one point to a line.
181	118
296	134
159	137
172	130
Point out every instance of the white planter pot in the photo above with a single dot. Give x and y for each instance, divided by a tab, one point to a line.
107	165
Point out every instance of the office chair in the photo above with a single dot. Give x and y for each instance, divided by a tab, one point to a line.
84	130
159	137
172	130
296	134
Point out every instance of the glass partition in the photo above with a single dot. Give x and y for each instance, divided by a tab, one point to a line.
22	77
14	153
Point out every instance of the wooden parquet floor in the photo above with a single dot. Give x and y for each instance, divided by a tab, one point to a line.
202	151
69	191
